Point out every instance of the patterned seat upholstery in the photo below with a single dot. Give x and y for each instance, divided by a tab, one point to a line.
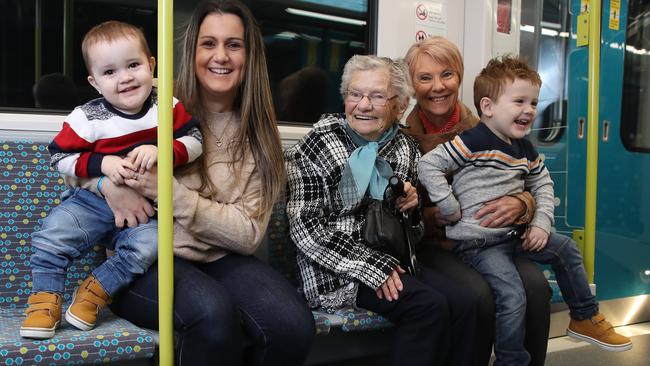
29	190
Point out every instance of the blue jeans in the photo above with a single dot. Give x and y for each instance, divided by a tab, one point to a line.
493	259
81	221
234	311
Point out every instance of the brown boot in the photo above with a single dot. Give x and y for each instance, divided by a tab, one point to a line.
88	299
43	315
599	332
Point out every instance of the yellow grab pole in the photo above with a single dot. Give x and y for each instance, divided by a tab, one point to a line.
592	138
165	171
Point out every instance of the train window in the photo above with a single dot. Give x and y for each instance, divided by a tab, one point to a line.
544	42
307	45
635	108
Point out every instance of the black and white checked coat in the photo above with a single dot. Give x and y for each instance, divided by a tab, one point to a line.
331	251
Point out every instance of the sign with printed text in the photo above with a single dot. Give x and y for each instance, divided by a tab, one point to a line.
430	19
504	10
614	14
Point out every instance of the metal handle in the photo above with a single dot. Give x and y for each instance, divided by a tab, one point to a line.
581	128
605	130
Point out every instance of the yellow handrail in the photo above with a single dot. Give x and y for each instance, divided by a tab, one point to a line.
592	137
165	171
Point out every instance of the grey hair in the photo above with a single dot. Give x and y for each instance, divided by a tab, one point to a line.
400	79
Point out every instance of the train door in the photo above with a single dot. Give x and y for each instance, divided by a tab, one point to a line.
623	217
622	260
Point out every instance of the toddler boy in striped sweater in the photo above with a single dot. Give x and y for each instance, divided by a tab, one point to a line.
110	137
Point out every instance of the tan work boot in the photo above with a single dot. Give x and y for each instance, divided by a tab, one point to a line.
599	332
43	315
88	299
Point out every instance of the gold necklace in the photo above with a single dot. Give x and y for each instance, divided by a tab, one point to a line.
219	139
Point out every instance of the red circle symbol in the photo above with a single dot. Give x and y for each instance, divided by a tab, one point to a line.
421	12
420	35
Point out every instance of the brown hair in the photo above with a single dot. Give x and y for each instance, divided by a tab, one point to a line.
259	131
491	81
441	50
108	32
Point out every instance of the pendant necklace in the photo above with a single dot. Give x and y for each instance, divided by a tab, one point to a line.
219	139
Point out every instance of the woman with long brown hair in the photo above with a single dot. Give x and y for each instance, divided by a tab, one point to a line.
230	308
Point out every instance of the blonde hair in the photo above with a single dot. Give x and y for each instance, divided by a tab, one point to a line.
492	80
258	130
111	31
441	50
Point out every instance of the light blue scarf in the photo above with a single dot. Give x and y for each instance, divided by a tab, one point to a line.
365	170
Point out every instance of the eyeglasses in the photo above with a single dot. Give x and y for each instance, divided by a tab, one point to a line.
377	99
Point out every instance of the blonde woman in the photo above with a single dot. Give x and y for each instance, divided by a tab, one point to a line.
436	67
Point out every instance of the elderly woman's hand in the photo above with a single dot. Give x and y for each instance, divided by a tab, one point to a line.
392	286
500	212
410	200
146	184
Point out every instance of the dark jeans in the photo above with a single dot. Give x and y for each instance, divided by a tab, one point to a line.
435	320
233	311
538	306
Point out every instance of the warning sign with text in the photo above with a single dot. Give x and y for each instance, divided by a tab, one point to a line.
430	19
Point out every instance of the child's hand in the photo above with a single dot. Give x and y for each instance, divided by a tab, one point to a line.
453	217
143	157
535	239
117	169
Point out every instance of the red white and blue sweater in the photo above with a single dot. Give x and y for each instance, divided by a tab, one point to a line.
96	129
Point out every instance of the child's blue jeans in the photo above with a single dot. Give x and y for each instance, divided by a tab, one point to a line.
81	221
493	259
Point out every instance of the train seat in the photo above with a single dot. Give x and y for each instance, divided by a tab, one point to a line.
29	190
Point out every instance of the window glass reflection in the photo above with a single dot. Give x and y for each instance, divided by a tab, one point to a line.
635	114
41	68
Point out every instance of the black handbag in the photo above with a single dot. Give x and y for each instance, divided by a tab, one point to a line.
393	232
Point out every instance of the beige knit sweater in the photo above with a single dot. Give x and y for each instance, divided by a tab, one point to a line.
206	229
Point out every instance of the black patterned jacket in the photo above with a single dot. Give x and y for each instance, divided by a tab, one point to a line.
328	235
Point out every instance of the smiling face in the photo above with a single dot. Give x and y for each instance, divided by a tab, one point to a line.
122	73
513	113
436	88
220	58
368	120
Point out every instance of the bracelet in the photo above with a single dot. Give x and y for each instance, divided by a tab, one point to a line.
99	185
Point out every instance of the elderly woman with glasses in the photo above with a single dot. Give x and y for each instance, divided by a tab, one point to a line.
342	163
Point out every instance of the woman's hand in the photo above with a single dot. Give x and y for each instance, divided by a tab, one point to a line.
126	204
392	286
410	201
146	184
501	212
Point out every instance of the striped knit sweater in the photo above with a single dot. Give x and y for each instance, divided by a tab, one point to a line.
484	168
97	129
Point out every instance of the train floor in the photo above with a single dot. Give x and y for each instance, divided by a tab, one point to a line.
564	351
